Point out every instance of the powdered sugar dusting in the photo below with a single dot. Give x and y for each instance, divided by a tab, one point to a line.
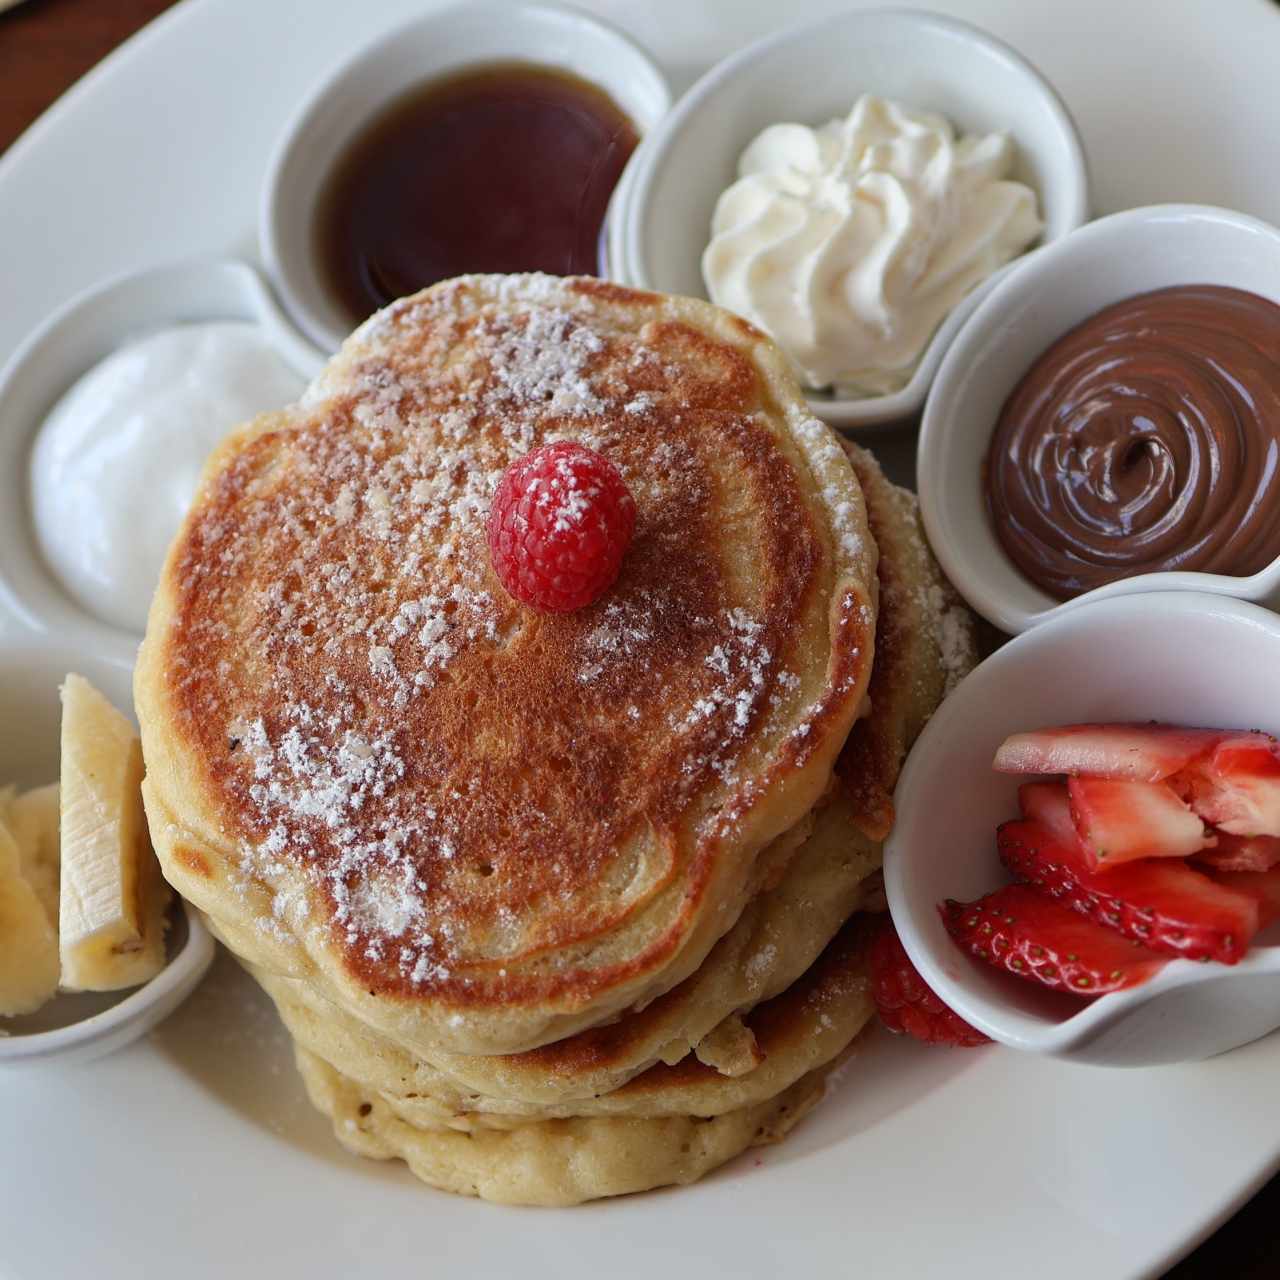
566	496
741	655
953	628
342	593
544	363
624	629
825	452
745	681
761	965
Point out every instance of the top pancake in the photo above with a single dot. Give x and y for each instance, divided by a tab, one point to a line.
924	643
477	827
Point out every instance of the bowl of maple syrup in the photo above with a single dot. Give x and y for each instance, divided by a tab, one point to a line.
485	137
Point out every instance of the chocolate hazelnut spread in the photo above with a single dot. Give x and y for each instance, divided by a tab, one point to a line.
1145	439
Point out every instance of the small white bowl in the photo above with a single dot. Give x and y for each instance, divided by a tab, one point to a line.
83	1026
79	1028
1180	657
72	340
1047	294
469	34
613	255
814	73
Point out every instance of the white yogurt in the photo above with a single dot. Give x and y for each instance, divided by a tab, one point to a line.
116	462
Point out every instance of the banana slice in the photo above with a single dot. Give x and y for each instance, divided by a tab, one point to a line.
112	901
33	819
28	944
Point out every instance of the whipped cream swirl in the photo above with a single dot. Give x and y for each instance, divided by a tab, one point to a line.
850	243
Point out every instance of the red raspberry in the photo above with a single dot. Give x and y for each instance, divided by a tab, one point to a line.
905	1003
560	522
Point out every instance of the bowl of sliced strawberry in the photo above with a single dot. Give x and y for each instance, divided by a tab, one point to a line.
1086	860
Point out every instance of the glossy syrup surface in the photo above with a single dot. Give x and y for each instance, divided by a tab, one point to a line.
505	167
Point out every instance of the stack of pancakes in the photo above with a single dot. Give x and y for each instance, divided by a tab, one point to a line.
555	906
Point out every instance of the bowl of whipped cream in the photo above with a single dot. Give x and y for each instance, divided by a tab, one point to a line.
853	187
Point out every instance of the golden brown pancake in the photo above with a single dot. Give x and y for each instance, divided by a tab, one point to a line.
925	643
800	1029
596	1127
556	1162
697	1120
476	828
758	970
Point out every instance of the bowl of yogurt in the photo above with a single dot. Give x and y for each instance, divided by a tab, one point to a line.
110	409
853	187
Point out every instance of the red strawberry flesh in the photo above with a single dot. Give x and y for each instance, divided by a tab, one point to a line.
1026	932
1162	903
1237	787
1128	752
1050	804
1120	821
906	1003
1262	886
1241	853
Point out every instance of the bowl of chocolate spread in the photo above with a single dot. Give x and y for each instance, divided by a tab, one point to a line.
1108	420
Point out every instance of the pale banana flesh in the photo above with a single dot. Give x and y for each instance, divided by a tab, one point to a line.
28	943
33	819
112	898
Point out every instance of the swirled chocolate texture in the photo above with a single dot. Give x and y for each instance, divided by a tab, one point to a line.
1146	439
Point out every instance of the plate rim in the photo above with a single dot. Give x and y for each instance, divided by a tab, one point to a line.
1235	1193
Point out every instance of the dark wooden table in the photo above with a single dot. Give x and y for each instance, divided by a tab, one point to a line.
45	45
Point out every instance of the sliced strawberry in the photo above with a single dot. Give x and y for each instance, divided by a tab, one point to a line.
1025	931
1237	787
1121	821
1050	804
1132	752
906	1003
1160	902
1262	886
1242	853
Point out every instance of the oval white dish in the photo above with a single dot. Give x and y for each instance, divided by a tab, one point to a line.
1117	1175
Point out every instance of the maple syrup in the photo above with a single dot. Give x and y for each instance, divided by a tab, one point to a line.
506	167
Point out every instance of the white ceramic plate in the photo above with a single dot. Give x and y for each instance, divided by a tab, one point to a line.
194	1153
